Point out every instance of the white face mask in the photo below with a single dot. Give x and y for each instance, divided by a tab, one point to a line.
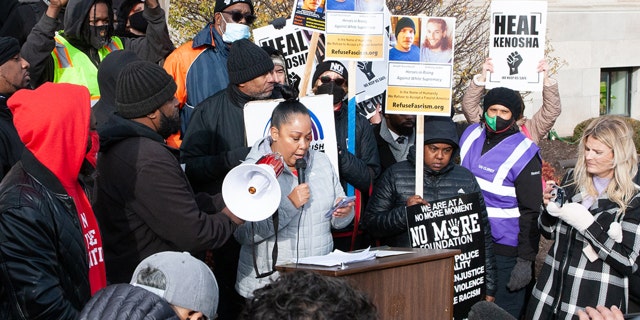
235	31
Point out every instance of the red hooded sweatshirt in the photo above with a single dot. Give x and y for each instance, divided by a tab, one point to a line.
53	123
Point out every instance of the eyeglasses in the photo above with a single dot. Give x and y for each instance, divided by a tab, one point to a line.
327	79
237	17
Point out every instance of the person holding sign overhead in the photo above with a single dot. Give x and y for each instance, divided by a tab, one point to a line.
541	122
301	227
386	214
507	166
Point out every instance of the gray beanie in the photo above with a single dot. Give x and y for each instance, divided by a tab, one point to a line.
247	61
143	87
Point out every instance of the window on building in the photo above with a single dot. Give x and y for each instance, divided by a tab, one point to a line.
615	91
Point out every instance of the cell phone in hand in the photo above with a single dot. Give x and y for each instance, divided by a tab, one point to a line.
341	204
558	195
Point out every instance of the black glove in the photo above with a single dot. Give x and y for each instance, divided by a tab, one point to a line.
367	108
514	60
278	23
365	67
520	275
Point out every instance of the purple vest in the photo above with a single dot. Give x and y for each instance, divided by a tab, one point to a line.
496	172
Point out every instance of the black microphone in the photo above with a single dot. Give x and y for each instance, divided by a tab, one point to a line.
301	165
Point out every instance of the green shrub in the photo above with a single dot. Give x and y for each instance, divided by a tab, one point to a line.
635	125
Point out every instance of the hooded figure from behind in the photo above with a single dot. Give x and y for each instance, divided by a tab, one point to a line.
51	250
108	73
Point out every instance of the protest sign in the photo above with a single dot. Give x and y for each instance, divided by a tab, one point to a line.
293	42
257	120
420	67
454	223
516	44
309	14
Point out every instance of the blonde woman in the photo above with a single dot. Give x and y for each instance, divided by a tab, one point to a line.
596	230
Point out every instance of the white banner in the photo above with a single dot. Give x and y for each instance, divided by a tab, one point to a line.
257	121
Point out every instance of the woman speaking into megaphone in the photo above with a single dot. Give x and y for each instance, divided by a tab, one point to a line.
301	226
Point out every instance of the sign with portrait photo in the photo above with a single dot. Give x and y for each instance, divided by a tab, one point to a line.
309	14
420	66
454	223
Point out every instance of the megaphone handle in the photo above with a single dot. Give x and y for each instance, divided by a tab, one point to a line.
274	251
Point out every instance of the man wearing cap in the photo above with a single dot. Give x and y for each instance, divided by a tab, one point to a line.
386	215
143	200
73	55
215	143
405	49
199	66
507	166
14	75
362	166
182	280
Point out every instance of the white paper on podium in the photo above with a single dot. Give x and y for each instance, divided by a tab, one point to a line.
338	257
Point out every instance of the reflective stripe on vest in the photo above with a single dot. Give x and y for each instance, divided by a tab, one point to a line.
74	66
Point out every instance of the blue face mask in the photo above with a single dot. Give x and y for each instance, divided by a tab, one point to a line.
235	31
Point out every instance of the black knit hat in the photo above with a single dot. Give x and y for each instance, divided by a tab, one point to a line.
505	97
9	47
143	87
441	130
247	61
404	23
330	65
223	4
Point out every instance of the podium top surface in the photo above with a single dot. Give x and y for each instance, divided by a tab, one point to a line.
418	255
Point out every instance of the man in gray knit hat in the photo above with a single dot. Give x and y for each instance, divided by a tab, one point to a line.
143	201
215	143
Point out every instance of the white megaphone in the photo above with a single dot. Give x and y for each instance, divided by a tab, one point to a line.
251	191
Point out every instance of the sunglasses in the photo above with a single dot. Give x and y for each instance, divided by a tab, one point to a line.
327	79
237	17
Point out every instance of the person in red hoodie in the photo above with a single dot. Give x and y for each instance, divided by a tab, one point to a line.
51	259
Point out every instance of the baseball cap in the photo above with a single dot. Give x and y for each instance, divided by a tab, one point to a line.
189	283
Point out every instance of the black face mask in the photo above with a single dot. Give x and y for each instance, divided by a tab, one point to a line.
98	36
331	88
168	126
138	22
501	125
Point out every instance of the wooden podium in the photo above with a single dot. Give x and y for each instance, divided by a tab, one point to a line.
418	285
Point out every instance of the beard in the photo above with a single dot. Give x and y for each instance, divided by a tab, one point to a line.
168	126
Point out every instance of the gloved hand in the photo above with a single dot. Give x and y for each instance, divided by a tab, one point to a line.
574	214
520	275
365	67
514	60
279	23
367	108
615	231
